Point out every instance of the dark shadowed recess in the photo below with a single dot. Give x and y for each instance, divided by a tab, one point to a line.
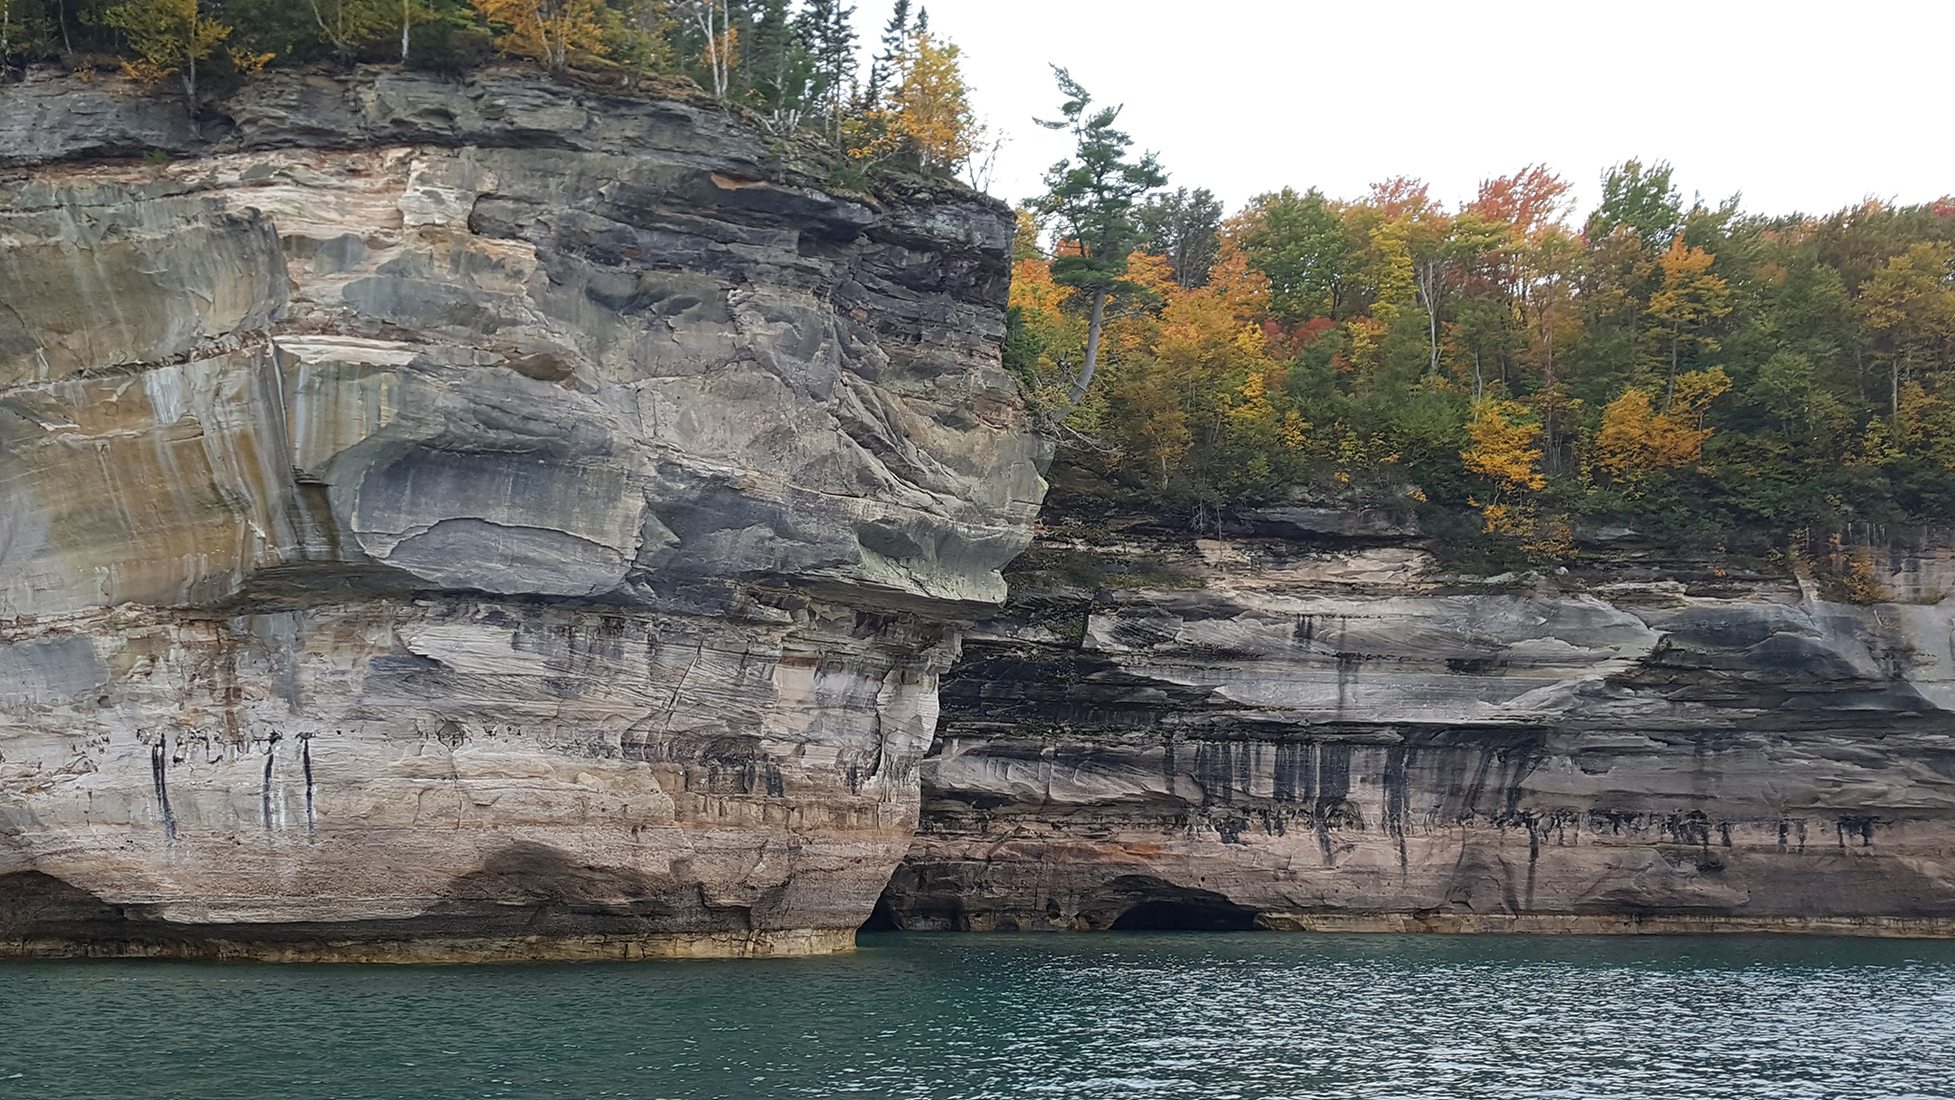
1196	915
1129	903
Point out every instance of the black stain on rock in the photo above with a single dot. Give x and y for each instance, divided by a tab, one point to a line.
1852	827
265	792
305	760
159	767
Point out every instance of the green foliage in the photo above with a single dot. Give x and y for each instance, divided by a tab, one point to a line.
1185	227
1702	376
1305	248
1640	199
1091	195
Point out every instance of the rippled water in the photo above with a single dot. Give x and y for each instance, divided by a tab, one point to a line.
1195	1016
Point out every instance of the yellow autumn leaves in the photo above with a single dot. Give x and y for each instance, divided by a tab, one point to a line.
1636	440
546	31
173	38
929	114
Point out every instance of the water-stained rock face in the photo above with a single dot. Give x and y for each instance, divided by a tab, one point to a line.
1314	726
475	518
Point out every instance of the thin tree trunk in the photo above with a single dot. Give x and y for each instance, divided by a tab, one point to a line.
1085	379
1428	284
407	21
1635	330
1432	332
1670	387
708	14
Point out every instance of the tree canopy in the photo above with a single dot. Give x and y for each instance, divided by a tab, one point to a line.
1700	374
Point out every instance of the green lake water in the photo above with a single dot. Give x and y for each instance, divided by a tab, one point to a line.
1171	1015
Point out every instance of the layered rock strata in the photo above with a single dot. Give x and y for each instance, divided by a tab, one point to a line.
475	519
1307	722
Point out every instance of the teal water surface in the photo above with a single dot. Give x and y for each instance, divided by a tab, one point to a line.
1199	1016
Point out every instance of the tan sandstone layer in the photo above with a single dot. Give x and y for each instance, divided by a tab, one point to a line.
1305	721
475	519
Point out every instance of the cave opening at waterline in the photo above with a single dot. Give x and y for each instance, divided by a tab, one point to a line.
881	919
1186	915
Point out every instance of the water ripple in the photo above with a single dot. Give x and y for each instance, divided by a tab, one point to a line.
1255	1017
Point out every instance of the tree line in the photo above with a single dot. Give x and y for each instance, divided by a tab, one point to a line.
1516	375
792	63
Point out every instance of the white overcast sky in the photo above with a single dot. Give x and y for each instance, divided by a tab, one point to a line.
1800	106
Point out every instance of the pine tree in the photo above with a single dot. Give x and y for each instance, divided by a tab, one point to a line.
778	73
1185	227
882	70
827	33
1092	195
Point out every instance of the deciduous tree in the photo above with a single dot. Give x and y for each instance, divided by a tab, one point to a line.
1909	305
1640	199
1302	243
1636	441
170	38
933	106
550	31
1690	297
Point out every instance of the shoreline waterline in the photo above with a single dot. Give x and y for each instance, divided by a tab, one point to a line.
182	945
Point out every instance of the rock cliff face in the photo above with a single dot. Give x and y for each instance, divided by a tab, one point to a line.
472	520
493	519
1306	723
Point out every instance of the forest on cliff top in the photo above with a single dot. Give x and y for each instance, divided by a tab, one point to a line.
1518	373
1702	374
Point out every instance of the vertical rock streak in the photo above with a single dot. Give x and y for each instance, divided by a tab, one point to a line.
1324	729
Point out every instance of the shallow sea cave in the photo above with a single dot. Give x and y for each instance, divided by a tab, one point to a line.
1186	915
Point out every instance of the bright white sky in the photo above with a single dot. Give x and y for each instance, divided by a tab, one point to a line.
1805	105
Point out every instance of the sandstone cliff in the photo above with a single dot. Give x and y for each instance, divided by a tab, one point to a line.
475	519
1306	722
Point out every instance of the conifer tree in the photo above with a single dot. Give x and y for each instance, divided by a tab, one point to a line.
882	70
1092	195
777	72
827	33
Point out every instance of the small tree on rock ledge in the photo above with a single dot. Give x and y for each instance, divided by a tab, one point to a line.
1092	195
550	31
171	38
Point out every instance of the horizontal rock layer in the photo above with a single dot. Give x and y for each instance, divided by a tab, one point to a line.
1311	724
475	519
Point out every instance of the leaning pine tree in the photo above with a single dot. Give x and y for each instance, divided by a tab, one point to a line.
1092	196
